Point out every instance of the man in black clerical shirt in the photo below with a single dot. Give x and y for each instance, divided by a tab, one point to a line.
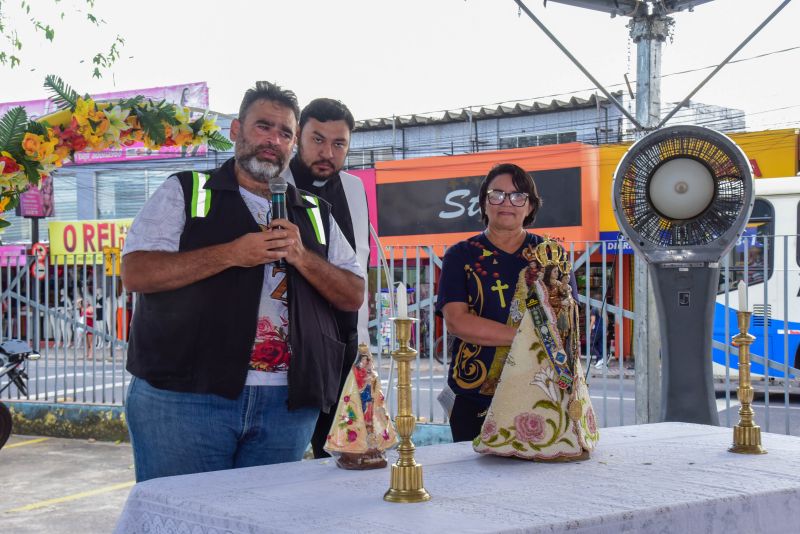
325	127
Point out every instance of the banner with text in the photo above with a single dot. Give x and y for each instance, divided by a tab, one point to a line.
434	201
76	240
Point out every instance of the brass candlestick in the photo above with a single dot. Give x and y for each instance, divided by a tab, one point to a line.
746	435
406	477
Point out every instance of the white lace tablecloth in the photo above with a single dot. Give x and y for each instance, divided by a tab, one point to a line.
667	477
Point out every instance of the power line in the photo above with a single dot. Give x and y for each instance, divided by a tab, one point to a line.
593	89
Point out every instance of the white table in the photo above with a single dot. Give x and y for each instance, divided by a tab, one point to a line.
667	477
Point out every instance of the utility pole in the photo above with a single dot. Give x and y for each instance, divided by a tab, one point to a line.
648	31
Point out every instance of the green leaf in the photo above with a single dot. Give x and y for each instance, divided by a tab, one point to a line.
197	124
492	439
550	405
505	433
566	441
553	426
12	129
130	103
152	126
517	445
219	142
32	170
64	96
4	223
37	128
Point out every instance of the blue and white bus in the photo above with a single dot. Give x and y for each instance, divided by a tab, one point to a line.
767	257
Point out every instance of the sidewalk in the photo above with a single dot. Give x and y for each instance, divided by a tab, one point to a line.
67	486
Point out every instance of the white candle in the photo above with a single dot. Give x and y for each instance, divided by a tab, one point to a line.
401	302
742	296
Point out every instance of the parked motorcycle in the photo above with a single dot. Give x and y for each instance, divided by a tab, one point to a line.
14	356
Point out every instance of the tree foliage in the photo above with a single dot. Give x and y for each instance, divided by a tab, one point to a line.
16	16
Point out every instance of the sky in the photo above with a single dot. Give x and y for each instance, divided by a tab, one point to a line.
385	58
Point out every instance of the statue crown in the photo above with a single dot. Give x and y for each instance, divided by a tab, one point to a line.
547	253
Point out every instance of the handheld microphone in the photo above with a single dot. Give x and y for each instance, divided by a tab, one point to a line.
278	187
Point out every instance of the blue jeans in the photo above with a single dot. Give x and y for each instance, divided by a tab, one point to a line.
175	433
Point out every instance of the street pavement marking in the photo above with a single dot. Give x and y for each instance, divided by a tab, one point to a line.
72	391
73	497
26	442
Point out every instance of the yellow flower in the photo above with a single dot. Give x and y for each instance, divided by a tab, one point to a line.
95	142
4	202
210	125
102	126
149	143
183	114
116	120
62	153
47	151
82	110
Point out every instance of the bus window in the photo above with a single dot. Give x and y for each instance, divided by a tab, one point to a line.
749	249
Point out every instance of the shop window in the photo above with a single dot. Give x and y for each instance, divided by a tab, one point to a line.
122	193
521	141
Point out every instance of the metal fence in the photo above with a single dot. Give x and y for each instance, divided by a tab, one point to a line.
78	317
78	313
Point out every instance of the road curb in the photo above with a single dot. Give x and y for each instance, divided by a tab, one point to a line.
107	423
85	421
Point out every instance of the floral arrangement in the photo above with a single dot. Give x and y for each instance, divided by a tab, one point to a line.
33	149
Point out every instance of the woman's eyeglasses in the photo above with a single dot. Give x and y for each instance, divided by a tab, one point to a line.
496	197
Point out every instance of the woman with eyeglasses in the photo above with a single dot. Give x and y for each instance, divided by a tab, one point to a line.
476	288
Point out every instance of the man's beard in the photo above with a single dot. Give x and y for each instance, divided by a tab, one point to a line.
310	169
260	170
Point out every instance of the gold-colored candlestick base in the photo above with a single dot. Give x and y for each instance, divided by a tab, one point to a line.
406	485
406	478
747	434
747	440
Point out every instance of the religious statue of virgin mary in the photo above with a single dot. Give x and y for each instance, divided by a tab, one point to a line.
541	408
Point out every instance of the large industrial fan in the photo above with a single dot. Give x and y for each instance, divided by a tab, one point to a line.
682	196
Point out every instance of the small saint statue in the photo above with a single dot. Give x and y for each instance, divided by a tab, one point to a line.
361	431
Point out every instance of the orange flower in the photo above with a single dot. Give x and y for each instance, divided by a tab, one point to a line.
133	122
31	144
183	138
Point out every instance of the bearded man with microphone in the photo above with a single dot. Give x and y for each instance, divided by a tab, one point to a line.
233	355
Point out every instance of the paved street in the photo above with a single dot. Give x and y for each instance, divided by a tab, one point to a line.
66	376
62	486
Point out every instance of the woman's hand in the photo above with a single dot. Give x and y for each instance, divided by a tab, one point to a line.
464	324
